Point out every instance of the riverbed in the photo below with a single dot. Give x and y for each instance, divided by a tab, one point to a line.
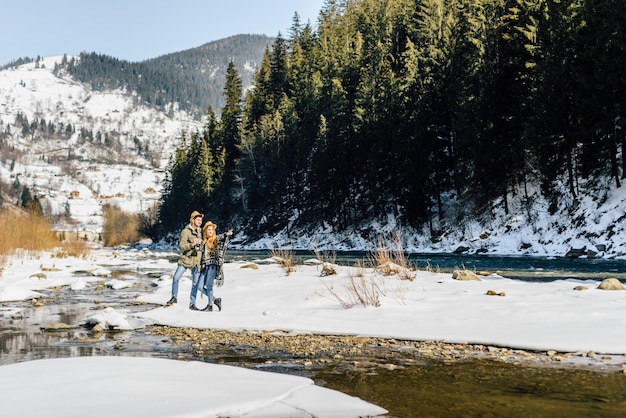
408	378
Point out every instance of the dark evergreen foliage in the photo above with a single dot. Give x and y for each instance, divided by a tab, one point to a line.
30	202
390	107
18	62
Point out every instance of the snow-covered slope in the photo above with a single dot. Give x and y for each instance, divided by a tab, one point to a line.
591	226
72	175
35	92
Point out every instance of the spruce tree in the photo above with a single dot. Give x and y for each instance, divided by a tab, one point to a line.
175	196
229	140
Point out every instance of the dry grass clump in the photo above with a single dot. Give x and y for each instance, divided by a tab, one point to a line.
29	232
432	269
393	260
326	256
73	247
365	291
358	290
119	227
327	259
286	259
365	288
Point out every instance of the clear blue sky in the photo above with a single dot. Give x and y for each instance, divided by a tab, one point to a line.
135	30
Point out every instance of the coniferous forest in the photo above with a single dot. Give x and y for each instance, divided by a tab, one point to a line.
389	108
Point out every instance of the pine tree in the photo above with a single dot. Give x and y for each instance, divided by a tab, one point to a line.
553	128
228	137
258	101
602	77
231	117
175	196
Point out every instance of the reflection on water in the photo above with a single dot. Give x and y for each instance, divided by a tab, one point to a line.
21	337
481	388
28	337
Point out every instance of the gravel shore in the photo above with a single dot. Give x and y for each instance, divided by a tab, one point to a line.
369	352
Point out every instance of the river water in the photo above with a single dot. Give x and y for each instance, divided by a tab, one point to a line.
414	387
540	269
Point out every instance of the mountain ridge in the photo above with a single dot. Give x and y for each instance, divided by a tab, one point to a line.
193	78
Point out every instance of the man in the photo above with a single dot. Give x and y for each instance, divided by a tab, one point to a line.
190	247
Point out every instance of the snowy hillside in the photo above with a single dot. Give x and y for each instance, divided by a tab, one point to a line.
592	226
71	175
36	93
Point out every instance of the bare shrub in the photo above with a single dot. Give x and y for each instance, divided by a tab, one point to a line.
359	290
119	227
381	255
286	259
365	291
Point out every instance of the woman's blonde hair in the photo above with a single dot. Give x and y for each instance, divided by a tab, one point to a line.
212	241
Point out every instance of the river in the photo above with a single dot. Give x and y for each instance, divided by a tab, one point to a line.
414	387
540	269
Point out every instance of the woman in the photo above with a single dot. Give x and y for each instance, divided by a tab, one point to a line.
213	249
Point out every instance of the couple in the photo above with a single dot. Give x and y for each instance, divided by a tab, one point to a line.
202	251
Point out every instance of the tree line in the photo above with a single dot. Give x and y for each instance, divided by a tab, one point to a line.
391	108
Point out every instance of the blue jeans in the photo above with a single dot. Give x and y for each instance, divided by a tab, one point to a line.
177	275
195	281
207	277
